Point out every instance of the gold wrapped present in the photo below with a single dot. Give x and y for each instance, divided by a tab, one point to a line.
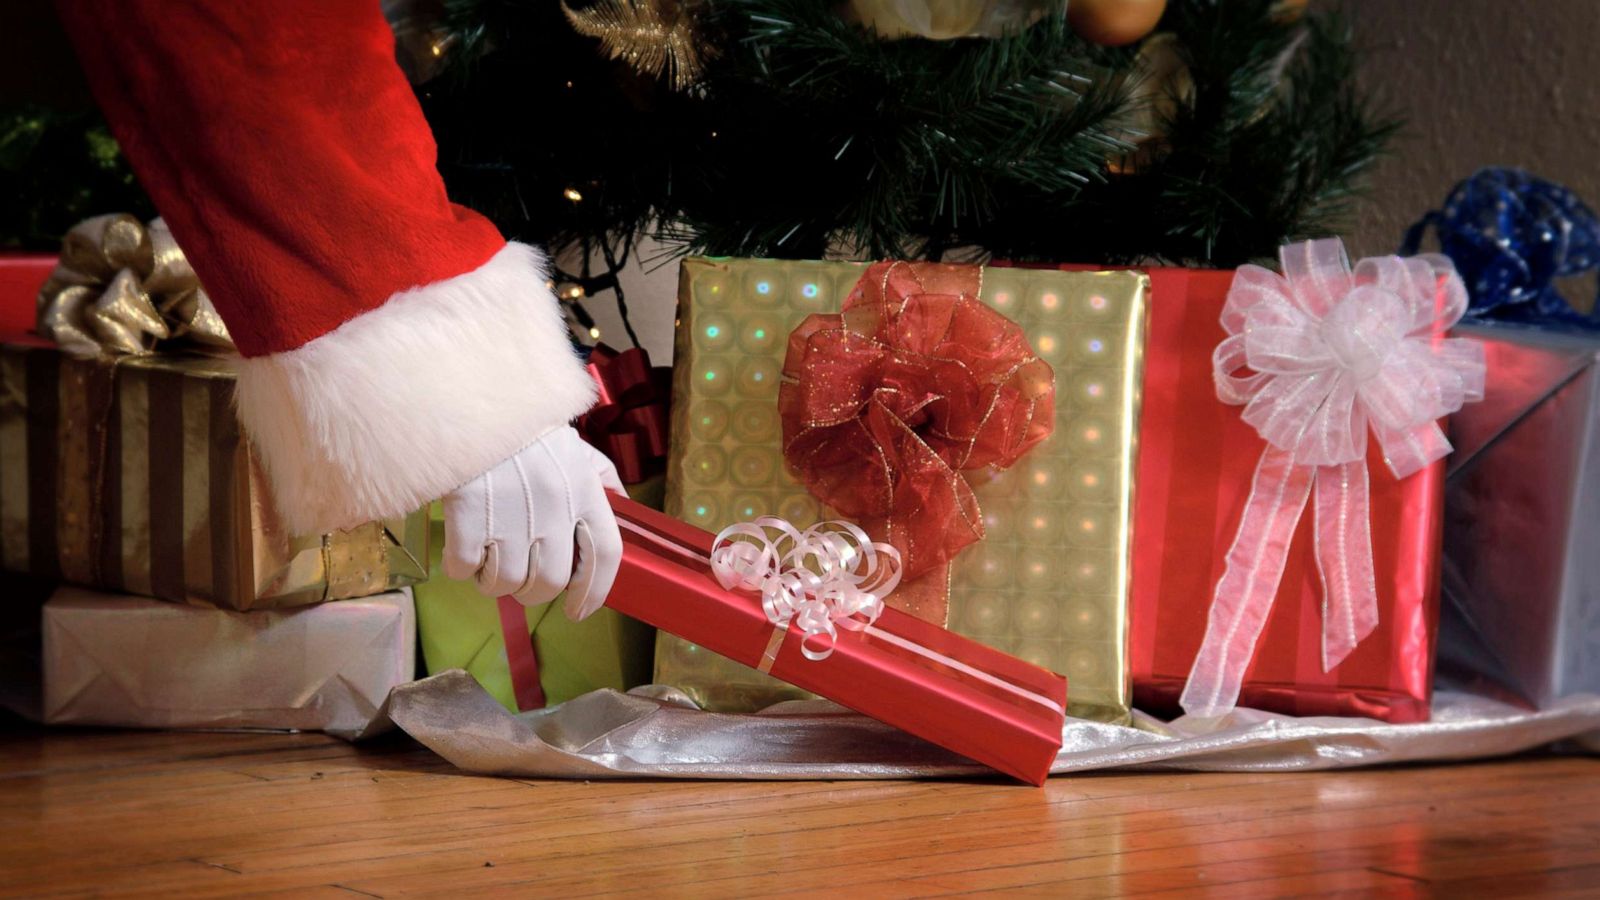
130	474
1049	581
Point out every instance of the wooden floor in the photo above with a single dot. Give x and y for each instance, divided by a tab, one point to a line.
86	812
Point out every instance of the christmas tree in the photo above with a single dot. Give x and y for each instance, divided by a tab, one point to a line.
797	128
57	168
1235	126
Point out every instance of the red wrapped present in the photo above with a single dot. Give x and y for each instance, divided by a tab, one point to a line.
938	685
1197	469
21	276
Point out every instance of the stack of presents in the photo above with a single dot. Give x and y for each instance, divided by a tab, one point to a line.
1074	493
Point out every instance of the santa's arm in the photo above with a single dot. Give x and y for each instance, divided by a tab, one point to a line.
395	346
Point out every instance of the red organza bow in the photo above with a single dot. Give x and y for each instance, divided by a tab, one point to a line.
913	381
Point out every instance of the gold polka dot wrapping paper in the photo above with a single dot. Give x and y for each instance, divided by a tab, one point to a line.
1049	583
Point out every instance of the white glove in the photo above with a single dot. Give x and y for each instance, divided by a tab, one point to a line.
514	529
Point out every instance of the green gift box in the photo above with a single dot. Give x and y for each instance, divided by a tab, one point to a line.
549	658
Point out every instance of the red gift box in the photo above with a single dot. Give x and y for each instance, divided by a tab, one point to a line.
1196	459
950	690
21	276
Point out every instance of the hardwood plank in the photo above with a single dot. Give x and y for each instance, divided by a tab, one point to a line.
109	813
1086	837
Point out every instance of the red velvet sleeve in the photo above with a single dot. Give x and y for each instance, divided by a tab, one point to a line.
285	149
395	345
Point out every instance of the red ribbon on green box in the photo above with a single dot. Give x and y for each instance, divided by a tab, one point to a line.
629	423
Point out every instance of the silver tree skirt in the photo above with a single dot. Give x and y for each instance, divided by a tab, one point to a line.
657	732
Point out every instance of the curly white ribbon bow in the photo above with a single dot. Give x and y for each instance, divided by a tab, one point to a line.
828	577
1329	352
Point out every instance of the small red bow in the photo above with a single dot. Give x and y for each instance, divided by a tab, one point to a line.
629	424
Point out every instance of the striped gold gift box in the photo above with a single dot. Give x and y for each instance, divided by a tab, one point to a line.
131	474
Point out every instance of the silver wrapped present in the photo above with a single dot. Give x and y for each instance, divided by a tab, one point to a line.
1521	573
111	659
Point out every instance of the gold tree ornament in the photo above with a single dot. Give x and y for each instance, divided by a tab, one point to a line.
942	20
652	36
1114	23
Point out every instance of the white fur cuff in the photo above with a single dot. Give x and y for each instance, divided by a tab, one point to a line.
405	403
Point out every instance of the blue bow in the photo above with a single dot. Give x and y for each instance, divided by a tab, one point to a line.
1511	235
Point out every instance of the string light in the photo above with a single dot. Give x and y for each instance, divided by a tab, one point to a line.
573	195
594	334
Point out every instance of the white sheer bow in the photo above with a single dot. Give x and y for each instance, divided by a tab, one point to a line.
1316	356
827	577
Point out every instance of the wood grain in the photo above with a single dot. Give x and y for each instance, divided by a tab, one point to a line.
153	814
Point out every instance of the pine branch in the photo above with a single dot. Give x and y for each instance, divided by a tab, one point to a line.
886	146
56	169
1269	146
808	134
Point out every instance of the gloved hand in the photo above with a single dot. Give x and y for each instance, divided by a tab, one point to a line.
514	528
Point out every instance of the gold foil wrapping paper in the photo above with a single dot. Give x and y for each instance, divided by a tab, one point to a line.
1048	584
131	474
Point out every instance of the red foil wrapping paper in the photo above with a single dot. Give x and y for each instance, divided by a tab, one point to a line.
1196	457
21	276
945	692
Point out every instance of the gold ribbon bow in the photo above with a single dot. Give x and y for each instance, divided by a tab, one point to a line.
125	288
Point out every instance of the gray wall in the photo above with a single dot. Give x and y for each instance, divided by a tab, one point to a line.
1482	82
